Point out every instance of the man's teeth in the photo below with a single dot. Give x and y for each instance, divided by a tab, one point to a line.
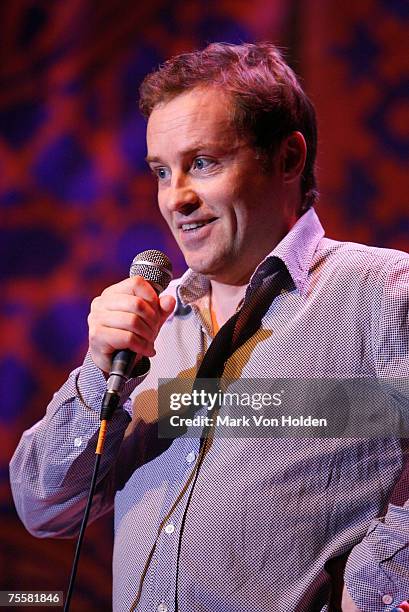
190	226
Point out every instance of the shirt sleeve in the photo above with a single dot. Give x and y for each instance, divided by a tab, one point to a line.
51	469
377	571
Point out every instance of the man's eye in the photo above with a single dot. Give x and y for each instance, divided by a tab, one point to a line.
202	163
160	173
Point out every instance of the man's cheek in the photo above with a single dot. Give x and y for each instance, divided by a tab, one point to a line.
165	213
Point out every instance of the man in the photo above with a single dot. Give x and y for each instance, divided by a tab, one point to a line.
234	523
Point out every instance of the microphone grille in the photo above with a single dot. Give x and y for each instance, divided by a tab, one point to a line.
154	266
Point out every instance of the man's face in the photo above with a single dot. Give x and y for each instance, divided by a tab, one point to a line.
225	213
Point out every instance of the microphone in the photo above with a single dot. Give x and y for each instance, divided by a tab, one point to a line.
155	267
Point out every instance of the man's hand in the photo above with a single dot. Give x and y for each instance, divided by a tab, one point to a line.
347	604
127	315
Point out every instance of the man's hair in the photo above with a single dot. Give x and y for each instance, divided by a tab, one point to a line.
268	101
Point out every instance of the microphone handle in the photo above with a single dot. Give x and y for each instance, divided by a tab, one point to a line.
121	368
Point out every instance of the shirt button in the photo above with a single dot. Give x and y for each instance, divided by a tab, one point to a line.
190	457
387	599
162	607
77	442
170	528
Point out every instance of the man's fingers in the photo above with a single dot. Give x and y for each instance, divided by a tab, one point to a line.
403	607
347	604
117	339
120	304
127	315
134	286
126	321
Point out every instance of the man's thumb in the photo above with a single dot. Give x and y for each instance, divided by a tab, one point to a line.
167	304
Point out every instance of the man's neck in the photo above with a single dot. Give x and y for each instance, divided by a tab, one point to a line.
224	300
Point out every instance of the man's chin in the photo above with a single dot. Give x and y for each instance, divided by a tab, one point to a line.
200	266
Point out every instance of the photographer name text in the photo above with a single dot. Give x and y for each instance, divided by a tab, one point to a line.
247	421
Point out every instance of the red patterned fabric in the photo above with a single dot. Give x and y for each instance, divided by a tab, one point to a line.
76	201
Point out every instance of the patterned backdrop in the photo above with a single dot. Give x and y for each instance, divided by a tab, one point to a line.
77	202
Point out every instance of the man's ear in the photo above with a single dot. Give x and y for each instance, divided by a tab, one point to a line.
293	154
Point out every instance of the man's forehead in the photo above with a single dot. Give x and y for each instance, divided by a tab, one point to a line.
194	108
194	119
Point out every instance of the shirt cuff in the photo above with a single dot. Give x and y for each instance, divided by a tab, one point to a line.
91	382
377	570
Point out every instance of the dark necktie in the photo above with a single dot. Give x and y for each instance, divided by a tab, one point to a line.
265	287
245	322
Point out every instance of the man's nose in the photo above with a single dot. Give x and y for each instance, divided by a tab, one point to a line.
182	197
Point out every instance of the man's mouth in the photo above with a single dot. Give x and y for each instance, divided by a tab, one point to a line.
189	227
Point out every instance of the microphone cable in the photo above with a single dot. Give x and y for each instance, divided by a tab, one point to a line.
156	268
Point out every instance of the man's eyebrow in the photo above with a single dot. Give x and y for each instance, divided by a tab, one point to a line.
194	148
149	159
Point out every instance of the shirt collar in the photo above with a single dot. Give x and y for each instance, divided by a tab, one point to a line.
295	250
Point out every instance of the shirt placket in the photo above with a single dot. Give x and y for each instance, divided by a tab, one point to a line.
164	561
